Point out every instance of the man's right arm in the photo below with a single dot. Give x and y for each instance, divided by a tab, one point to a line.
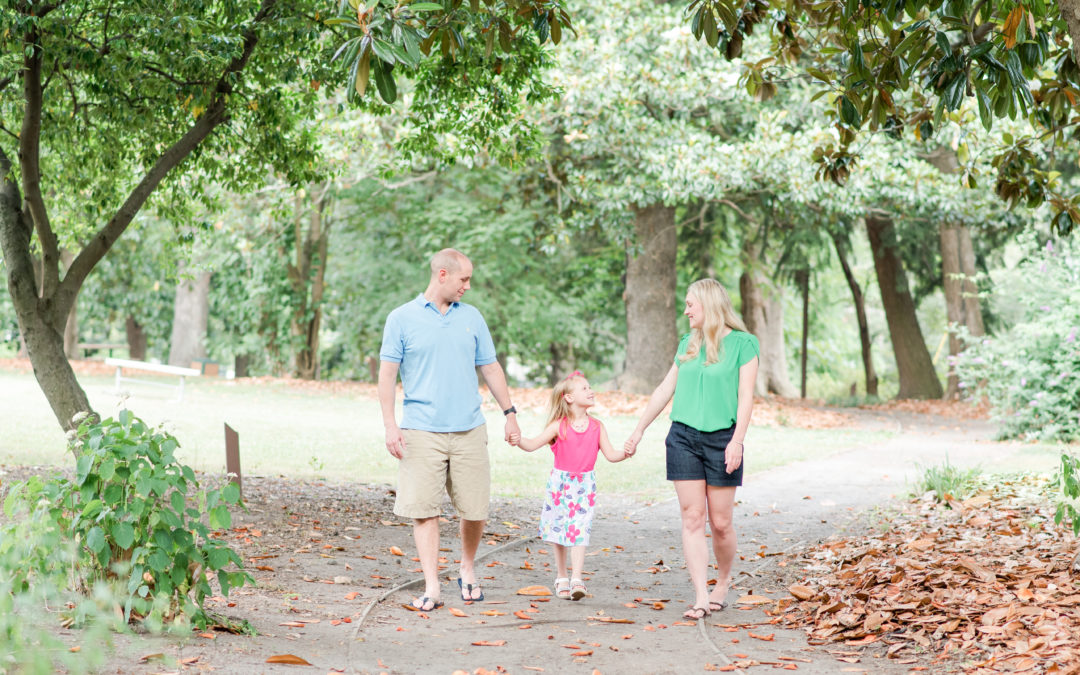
388	372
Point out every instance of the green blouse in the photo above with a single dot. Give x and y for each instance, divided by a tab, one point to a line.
707	397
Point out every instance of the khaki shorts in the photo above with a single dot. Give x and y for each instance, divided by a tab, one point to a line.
435	463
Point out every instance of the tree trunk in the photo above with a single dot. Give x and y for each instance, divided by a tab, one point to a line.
954	303
241	364
913	363
803	277
562	358
41	328
136	338
1070	11
307	279
190	316
764	317
651	312
969	290
71	326
860	314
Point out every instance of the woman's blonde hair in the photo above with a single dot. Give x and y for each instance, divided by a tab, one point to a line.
559	408
716	304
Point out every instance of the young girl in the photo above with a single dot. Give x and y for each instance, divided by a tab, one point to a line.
575	438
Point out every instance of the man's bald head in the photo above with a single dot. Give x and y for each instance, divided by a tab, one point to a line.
448	259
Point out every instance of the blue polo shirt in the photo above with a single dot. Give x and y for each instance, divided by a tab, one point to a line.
438	355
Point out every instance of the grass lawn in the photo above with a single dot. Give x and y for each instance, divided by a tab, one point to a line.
297	432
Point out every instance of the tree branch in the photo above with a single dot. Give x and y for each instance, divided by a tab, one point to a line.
418	178
176	153
744	214
30	164
170	78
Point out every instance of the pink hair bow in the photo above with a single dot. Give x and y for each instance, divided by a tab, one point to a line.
576	373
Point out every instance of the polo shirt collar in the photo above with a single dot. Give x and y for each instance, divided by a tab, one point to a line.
424	302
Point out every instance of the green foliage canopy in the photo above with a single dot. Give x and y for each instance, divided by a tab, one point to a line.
893	65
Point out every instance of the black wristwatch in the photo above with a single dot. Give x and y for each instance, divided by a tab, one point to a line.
509	410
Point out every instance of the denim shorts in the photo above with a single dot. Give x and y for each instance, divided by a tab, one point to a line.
699	455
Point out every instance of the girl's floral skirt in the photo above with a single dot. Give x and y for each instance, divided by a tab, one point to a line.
568	508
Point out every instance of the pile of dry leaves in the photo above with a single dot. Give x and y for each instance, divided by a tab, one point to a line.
989	584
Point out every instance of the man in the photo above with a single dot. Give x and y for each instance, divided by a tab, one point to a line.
437	342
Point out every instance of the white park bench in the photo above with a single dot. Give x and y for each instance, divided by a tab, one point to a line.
152	368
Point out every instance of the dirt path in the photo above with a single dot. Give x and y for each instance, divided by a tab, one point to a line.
328	566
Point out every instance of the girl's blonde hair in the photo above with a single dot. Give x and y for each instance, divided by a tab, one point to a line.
716	304
559	407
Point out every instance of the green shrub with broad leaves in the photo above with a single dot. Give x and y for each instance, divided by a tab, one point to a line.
139	516
35	557
1030	374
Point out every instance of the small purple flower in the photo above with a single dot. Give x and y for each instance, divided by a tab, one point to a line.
1023	381
1049	246
1072	336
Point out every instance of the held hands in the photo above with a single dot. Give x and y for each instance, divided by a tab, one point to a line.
513	431
630	447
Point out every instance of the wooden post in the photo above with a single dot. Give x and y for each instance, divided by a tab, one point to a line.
232	457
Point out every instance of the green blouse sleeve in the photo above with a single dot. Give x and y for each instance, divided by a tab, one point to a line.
748	349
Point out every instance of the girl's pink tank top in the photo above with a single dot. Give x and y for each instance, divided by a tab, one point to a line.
575	451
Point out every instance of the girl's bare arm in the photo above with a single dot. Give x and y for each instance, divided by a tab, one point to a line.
546	436
610	452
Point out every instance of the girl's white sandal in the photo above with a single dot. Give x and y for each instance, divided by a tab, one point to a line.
577	589
562	588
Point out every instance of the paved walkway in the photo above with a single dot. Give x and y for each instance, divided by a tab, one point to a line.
638	562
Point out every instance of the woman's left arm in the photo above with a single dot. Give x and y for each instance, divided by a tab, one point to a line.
747	379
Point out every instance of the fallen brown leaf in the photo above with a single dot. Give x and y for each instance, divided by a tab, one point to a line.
489	643
609	619
754	600
534	590
290	659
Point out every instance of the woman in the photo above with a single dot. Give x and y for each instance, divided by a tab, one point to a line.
712	381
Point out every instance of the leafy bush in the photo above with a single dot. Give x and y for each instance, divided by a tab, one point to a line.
1031	374
34	558
136	515
1068	482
